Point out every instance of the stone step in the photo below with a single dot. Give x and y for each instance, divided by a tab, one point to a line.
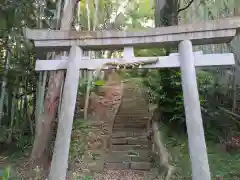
132	91
140	165
131	116
130	121
121	165
130	140
128	116
121	134
129	125
125	116
137	105
133	95
129	147
142	115
127	129
131	102
128	133
129	156
134	103
132	98
129	165
131	129
139	152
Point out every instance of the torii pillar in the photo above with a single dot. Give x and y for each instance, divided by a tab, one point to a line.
196	138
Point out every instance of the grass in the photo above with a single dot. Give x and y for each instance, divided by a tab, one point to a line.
222	164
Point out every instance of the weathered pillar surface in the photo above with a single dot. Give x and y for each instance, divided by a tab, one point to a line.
235	48
196	139
60	157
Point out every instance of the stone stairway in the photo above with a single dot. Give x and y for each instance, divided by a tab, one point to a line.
130	147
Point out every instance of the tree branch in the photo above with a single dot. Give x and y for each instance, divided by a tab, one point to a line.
187	6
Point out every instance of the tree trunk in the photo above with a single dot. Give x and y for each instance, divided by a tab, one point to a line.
166	12
40	151
3	88
43	138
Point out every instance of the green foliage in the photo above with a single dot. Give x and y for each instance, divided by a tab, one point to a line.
17	62
99	83
163	87
167	89
95	84
166	86
7	174
222	165
87	178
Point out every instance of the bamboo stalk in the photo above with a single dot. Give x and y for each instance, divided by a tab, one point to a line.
87	94
4	82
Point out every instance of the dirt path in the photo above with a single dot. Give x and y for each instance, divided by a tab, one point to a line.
120	175
126	175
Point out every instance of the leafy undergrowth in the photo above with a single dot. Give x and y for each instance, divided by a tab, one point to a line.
223	165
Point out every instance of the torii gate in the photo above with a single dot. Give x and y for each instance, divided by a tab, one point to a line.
210	32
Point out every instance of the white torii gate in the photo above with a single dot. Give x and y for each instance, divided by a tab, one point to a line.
186	59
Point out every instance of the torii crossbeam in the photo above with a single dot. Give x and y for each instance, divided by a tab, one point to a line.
211	32
207	32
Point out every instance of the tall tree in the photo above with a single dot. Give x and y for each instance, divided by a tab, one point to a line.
41	146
